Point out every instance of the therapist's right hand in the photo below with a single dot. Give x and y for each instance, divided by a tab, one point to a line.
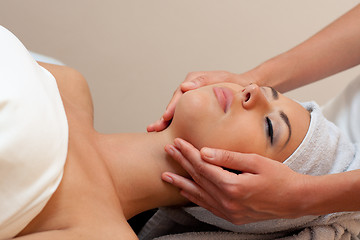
265	189
193	81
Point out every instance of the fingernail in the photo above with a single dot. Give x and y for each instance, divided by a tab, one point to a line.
170	149
208	153
177	143
189	84
167	179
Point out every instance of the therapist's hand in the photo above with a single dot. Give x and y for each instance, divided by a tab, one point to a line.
266	189
193	81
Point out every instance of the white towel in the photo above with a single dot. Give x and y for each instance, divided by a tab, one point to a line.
324	150
34	136
343	110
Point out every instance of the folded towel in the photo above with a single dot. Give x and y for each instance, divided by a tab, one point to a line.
324	150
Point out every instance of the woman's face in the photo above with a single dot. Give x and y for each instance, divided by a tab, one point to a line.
249	119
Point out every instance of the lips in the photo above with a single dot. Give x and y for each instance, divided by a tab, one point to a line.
224	97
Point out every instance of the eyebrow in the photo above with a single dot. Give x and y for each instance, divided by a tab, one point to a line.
285	118
283	115
275	93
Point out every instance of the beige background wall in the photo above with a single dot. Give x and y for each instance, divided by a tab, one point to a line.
135	53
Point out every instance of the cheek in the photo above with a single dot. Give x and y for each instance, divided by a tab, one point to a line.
195	115
192	106
239	135
200	120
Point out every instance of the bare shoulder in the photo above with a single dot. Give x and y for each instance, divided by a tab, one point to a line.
74	89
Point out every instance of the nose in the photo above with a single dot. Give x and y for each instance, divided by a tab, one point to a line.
253	96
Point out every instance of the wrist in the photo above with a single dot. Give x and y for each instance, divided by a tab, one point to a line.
301	200
257	75
279	72
330	193
310	200
265	74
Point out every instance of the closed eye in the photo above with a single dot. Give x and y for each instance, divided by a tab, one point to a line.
270	129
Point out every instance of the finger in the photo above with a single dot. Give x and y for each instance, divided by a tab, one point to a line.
193	192
157	126
192	81
186	86
195	82
170	109
161	125
243	162
190	187
188	166
150	128
193	75
208	176
209	207
191	154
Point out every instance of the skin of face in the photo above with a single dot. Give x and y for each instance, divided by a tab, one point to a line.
205	121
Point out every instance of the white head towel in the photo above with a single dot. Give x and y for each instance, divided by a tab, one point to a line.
324	150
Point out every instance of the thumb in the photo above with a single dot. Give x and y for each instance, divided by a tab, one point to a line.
244	162
194	83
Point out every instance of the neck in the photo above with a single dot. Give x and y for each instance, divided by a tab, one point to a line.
135	162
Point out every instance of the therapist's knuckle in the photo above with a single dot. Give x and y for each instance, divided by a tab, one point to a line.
199	196
255	158
252	159
230	206
195	176
201	80
231	190
227	156
198	178
257	162
191	153
201	169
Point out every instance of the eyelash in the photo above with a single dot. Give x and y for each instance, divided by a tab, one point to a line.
270	129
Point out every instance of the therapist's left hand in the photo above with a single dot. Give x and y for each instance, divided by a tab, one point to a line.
193	81
265	189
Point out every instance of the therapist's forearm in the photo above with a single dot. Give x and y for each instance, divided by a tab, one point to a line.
332	50
332	193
